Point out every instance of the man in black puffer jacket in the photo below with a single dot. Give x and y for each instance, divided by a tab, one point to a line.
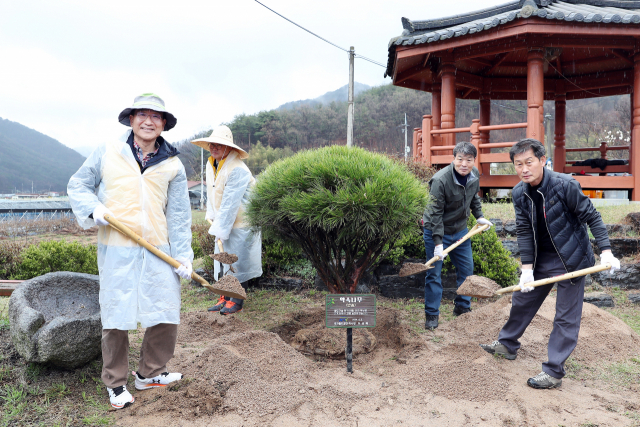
552	213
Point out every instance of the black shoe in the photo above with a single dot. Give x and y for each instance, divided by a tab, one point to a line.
499	350
544	381
221	302
431	322
231	307
457	310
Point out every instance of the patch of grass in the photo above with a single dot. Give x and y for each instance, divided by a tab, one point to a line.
197	216
413	310
33	371
504	211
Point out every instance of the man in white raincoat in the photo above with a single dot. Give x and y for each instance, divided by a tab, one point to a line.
139	180
229	183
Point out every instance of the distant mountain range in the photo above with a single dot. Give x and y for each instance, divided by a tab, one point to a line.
338	95
28	157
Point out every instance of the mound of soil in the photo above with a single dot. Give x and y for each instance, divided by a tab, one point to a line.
236	376
478	286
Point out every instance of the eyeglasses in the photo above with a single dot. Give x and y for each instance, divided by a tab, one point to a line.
155	117
216	146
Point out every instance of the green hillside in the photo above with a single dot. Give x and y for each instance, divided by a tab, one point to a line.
380	111
27	155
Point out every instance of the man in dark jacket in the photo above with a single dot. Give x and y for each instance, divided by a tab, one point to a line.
454	194
551	217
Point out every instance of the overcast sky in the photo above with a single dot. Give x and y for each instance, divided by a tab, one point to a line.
67	68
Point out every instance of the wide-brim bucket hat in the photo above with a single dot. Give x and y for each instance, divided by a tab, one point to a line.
148	101
220	135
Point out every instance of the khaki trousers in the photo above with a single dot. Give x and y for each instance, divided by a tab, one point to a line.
158	345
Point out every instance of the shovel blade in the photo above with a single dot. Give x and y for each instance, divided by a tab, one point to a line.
411	268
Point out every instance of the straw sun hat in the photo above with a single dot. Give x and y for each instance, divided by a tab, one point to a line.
220	135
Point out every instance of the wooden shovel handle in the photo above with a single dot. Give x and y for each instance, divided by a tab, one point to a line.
220	246
157	252
565	276
475	230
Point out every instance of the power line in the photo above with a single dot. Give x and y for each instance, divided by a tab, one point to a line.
321	38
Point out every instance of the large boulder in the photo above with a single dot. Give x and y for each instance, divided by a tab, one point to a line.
55	319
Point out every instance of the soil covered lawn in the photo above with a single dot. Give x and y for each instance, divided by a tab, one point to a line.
244	371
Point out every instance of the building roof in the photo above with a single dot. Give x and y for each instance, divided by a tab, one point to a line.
587	11
35	205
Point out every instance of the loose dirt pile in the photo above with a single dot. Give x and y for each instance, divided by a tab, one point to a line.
411	268
332	342
225	258
479	287
237	376
230	286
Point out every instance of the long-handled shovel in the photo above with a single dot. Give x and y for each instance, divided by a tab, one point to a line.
232	292
560	278
410	268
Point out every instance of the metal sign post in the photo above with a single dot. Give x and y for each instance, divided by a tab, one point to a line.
350	311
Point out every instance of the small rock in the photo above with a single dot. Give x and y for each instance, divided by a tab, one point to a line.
385	384
510	228
599	299
634	298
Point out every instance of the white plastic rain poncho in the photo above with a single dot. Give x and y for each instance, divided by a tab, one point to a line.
135	285
227	195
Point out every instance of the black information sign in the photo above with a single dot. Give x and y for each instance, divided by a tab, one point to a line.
350	311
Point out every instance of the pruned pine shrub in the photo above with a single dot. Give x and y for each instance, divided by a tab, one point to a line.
203	244
10	257
490	258
341	205
50	256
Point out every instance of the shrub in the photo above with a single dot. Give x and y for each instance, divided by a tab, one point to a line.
10	258
490	258
341	205
203	244
277	253
47	257
409	245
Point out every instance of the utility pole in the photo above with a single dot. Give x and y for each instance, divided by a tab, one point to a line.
406	148
201	178
352	54
405	130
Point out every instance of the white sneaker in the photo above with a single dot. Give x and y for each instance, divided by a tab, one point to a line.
158	381
120	397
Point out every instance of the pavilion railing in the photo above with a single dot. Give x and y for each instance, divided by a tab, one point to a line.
603	149
435	146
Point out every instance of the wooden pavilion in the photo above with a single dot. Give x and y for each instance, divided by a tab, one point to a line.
527	49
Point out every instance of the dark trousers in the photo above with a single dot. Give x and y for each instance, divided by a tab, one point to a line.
566	323
462	259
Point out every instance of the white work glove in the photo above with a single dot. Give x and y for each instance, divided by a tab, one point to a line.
483	221
526	277
185	269
98	214
608	258
439	252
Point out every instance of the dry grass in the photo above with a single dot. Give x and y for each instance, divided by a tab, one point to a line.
610	214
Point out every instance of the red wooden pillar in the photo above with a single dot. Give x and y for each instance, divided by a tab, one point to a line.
634	149
436	112
416	147
559	153
448	103
535	95
427	139
475	139
485	120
